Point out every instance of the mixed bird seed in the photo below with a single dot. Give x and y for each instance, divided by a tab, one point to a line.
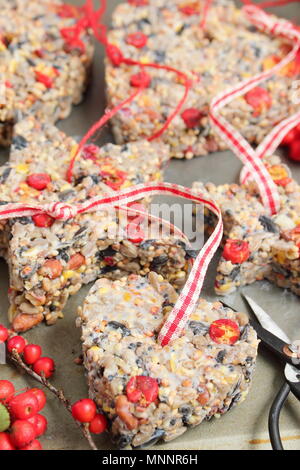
49	260
151	393
258	246
41	72
228	50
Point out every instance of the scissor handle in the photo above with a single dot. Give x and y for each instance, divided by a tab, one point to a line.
274	415
295	389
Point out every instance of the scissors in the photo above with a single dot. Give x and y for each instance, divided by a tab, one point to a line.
275	339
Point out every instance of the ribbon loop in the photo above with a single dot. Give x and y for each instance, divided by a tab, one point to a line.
187	301
236	142
61	211
276	26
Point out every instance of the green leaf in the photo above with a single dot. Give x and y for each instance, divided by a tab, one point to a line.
4	418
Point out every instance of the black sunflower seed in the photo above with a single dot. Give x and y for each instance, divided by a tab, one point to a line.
80	232
220	356
198	327
63	254
156	436
123	441
107	252
268	224
146	244
19	142
65	195
108	269
116	325
5	175
235	273
159	260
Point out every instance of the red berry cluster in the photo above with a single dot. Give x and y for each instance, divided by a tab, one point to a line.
292	141
85	411
31	353
25	423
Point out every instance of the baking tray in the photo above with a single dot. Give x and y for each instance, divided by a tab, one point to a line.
245	427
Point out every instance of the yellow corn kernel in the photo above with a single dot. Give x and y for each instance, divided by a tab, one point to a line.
73	151
127	296
173	362
144	59
103	290
65	187
68	274
280	256
225	287
13	66
126	184
22	168
94	348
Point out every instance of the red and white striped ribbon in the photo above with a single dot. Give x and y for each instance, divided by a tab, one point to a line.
236	142
187	301
262	20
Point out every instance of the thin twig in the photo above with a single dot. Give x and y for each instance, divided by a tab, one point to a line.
16	359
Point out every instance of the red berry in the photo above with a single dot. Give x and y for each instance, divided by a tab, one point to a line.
138	3
16	342
34	445
98	424
259	99
38	180
6	389
114	179
31	353
294	150
40	424
40	396
192	117
84	410
3	334
224	331
44	366
5	442
45	79
23	406
140	79
22	433
43	220
236	251
280	174
142	389
138	39
290	137
189	10
135	233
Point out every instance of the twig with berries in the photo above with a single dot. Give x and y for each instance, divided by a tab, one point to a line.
28	358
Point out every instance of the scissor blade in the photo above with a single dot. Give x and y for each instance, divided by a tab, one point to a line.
266	321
